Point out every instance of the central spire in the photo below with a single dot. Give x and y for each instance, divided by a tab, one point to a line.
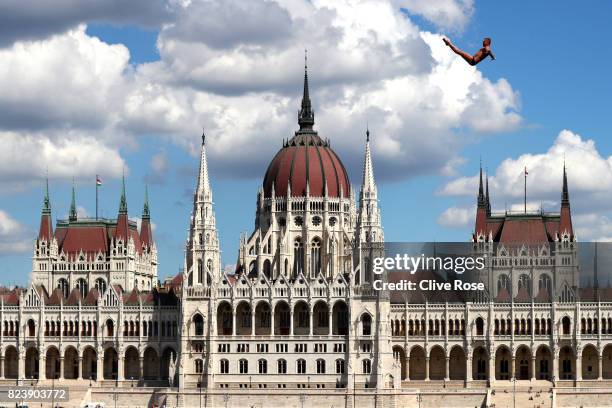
306	115
123	200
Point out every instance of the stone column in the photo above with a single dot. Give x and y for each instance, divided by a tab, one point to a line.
272	322
555	366
80	368
42	367
491	369
468	368
579	367
120	364
99	368
291	321
1	367
407	367
252	322
61	373
426	368
512	370
600	363
233	322
21	365
330	320
447	369
141	367
310	320
533	368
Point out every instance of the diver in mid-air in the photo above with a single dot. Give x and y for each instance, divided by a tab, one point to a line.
481	54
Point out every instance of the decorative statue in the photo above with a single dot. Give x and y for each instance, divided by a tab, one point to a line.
171	369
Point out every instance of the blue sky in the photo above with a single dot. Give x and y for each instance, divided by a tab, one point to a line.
551	55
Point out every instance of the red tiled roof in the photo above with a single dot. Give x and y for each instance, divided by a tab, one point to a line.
503	296
542	296
46	228
92	297
132	298
74	297
523	230
522	296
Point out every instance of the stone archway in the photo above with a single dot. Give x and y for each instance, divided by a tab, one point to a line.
607	362
437	363
503	363
52	364
131	364
263	318
480	364
243	319
400	356
522	363
417	363
31	363
590	363
224	319
11	362
282	316
320	318
151	364
301	318
543	363
90	364
71	363
457	364
567	368
340	318
111	366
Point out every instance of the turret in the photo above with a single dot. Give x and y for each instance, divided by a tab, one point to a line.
565	223
481	210
121	232
72	216
146	234
45	232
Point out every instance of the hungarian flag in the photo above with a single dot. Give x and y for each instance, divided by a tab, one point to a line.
98	181
526	171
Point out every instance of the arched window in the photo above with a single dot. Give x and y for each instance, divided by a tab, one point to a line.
320	366
101	285
315	256
198	322
339	366
366	324
301	366
31	328
566	325
367	270
523	283
367	366
244	366
224	366
262	366
298	256
83	287
282	366
545	283
200	272
62	285
209	266
479	326
503	282
199	366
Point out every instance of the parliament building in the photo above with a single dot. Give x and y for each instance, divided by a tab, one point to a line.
299	315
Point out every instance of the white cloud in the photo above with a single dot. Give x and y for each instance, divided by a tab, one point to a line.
12	235
457	217
446	14
369	63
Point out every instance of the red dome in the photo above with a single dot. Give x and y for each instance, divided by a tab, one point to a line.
306	159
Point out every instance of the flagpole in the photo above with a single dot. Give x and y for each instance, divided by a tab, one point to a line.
525	174
97	197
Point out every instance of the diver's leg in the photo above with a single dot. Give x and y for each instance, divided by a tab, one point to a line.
467	57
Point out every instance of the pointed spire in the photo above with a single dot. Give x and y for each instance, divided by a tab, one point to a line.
46	201
73	212
203	188
565	193
481	197
45	231
122	200
145	208
367	182
487	198
306	115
